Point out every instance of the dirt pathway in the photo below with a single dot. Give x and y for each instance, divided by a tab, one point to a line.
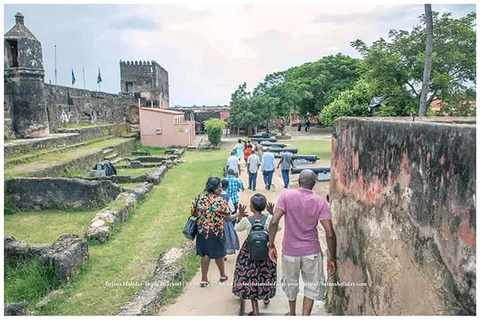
217	299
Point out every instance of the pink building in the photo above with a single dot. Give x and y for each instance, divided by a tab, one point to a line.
164	128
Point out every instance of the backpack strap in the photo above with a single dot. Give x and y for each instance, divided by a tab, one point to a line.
263	220
252	220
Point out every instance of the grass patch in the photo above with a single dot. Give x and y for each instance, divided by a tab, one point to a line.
47	226
152	150
130	254
28	282
321	148
135	172
191	264
60	157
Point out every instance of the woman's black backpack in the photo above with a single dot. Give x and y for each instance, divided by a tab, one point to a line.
258	239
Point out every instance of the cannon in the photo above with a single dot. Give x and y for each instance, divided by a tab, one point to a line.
317	170
264	139
292	150
272	144
311	158
323	173
260	135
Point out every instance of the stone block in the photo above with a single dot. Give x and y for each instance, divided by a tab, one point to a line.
65	256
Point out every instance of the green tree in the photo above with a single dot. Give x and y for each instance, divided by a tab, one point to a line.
319	83
214	130
352	103
396	66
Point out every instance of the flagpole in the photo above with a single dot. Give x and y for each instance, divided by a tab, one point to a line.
56	64
84	85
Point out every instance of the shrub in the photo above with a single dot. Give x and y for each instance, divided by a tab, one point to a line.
214	130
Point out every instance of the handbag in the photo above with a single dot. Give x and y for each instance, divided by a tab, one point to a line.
190	229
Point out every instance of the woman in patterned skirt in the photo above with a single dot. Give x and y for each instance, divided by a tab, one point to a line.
254	280
212	211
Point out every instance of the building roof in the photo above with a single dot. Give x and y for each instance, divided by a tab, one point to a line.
177	113
19	30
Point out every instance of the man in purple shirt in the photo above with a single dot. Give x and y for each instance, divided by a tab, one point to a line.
301	252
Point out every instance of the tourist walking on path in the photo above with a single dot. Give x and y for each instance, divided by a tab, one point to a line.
234	185
233	164
254	279
212	212
301	252
307	125
232	244
247	153
253	164
259	150
286	161
268	166
239	149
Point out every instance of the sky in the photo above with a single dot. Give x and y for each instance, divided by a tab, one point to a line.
208	50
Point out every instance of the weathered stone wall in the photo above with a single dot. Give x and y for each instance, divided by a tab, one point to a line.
403	202
60	193
148	80
70	105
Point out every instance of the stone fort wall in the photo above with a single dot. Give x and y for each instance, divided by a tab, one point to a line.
148	81
67	105
403	203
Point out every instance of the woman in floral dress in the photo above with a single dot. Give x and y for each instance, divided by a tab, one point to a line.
212	210
254	280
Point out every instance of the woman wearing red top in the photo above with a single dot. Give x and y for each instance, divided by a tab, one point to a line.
247	153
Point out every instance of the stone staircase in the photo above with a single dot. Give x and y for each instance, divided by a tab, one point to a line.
108	154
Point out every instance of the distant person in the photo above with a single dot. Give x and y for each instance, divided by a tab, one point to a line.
301	252
254	279
268	167
234	185
239	149
212	212
286	162
253	164
233	164
247	153
307	125
300	126
232	244
259	150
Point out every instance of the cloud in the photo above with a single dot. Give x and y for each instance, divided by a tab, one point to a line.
135	23
207	49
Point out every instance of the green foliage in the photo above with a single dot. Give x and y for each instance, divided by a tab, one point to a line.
352	102
396	66
306	89
9	207
28	282
317	84
214	130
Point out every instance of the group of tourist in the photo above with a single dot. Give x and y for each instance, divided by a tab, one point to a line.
221	215
254	159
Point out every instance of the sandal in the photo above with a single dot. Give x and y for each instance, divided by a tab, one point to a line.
224	279
289	314
253	314
204	284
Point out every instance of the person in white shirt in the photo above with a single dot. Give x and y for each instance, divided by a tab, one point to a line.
253	164
234	164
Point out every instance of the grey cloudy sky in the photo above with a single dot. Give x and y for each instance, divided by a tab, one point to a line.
207	49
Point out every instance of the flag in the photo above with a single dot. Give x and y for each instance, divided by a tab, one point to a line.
73	78
99	78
